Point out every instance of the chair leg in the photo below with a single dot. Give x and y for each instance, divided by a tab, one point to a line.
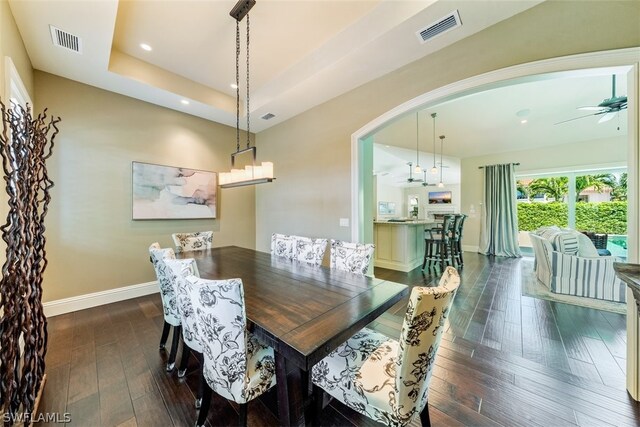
204	409
171	363
318	397
184	361
460	253
202	383
242	414
165	334
424	416
426	247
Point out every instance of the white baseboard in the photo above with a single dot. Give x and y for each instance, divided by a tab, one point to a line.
469	248
81	302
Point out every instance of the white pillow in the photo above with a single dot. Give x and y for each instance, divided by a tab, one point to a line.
586	248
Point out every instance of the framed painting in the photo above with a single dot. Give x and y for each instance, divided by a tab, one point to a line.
168	192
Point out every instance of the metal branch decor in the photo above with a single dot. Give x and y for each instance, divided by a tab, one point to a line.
26	144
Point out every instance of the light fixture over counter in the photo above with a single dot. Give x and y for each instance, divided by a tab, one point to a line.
251	174
441	184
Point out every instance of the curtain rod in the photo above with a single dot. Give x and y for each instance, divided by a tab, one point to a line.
482	167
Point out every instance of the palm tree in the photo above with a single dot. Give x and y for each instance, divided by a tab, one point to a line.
598	182
619	187
556	187
522	190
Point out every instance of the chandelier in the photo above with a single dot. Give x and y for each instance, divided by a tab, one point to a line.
251	174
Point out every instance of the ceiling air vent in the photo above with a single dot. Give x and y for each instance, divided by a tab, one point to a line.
66	40
441	26
268	116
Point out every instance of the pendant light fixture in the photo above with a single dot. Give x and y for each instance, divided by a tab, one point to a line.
441	184
251	174
417	169
434	169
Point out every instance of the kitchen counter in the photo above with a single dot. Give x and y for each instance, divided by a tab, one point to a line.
418	222
399	245
630	274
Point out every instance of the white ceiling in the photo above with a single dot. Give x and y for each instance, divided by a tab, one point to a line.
303	52
488	122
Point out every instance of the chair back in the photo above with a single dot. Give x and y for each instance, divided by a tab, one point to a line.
167	293
422	330
353	257
221	324
448	222
310	251
180	269
458	224
283	245
198	241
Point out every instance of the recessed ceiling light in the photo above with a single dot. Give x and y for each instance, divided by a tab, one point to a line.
387	146
523	121
233	86
184	102
146	47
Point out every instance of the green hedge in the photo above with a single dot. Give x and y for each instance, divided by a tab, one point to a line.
604	217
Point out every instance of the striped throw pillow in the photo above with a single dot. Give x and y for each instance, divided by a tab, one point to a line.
565	242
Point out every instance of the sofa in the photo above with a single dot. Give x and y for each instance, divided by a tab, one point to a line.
567	262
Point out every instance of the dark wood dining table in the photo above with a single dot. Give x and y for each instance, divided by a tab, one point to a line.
303	312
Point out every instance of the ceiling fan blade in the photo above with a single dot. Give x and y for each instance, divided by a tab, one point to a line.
610	115
575	118
590	108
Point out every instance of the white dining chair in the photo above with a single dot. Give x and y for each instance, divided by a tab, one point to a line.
168	297
179	270
310	251
353	257
236	365
283	245
385	379
198	241
191	343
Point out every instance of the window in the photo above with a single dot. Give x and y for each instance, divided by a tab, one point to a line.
589	200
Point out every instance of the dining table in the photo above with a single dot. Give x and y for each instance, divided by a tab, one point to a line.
303	312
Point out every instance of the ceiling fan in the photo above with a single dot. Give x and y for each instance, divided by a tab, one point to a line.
608	108
411	178
424	181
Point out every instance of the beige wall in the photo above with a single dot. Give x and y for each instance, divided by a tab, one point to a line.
312	150
92	243
11	45
559	157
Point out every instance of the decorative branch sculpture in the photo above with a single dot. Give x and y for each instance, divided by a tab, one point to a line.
26	144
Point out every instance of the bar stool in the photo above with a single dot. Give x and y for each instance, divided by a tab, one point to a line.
437	241
456	241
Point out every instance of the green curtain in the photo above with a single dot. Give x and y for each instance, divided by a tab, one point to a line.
499	232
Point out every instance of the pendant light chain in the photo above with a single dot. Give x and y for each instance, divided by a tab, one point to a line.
417	144
434	170
248	115
441	141
237	86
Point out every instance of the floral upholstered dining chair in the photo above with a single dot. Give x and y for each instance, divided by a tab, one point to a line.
169	302
385	379
198	241
283	245
236	365
310	251
353	257
179	270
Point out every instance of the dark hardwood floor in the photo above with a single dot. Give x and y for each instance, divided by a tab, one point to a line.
506	359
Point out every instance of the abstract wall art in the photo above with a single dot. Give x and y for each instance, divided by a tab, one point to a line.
167	192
